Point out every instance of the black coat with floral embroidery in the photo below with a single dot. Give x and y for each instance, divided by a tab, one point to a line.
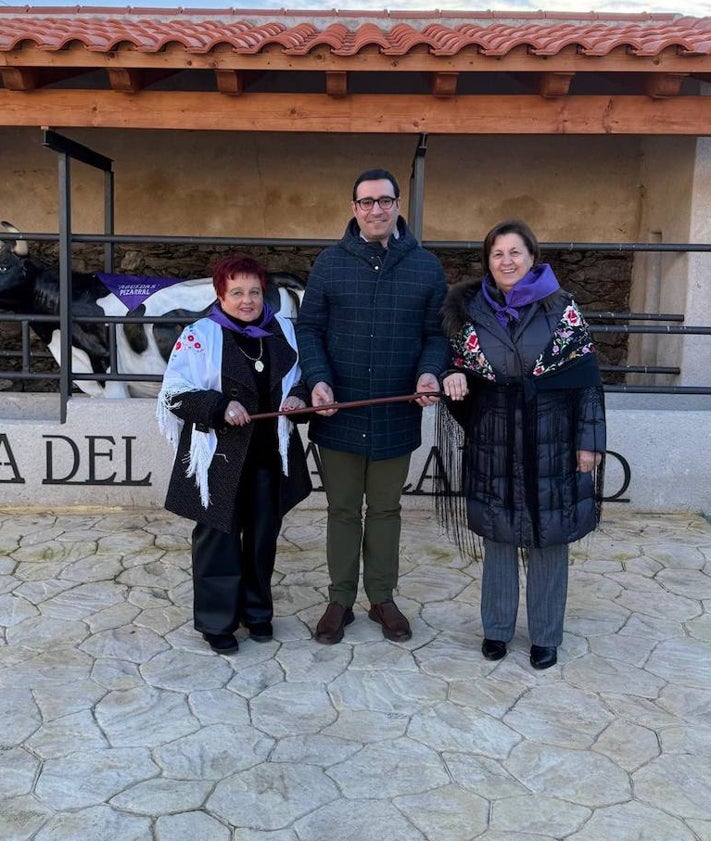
535	399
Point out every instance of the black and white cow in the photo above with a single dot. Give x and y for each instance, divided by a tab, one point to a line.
31	287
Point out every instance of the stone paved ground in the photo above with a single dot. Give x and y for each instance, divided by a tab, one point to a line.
119	724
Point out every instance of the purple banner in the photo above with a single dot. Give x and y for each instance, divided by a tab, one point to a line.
132	290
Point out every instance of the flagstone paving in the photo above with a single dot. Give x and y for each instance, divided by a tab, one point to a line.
120	724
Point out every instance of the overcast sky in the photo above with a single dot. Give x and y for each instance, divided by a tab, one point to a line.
697	8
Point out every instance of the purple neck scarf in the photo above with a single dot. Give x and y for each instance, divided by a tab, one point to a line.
539	283
255	329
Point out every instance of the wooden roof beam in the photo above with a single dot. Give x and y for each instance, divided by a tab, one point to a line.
364	113
125	79
230	82
663	85
554	84
32	78
133	79
551	84
337	83
19	78
236	82
654	85
444	85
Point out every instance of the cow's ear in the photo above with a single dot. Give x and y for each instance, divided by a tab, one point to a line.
18	247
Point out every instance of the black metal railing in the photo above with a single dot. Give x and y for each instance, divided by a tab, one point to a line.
68	150
656	327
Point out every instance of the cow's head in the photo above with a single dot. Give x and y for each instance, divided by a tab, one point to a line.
13	266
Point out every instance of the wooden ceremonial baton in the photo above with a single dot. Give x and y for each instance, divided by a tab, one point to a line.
349	404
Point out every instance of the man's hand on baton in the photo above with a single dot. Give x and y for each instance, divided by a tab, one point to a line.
429	383
322	395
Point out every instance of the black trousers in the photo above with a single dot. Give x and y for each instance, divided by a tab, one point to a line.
232	572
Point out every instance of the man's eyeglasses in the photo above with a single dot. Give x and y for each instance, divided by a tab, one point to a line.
384	203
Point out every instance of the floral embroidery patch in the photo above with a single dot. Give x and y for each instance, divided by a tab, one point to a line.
571	340
468	353
187	342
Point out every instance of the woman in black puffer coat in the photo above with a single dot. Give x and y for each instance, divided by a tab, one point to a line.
525	387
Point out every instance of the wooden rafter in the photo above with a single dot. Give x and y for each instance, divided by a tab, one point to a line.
662	85
125	79
31	78
554	84
230	81
336	83
133	80
444	84
19	78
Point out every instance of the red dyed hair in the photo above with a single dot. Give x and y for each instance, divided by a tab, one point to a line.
233	265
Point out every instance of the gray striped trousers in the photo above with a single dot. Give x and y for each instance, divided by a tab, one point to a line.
546	592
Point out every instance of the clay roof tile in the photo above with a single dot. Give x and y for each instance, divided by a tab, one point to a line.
366	35
298	32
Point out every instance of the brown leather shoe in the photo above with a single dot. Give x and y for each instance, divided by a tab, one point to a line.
330	626
395	625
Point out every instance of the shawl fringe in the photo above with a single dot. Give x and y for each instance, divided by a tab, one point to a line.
449	483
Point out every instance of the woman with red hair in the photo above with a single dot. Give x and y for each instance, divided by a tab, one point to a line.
235	478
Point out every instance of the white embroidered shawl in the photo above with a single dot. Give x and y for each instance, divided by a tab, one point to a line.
196	365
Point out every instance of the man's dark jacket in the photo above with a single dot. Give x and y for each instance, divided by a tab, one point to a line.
369	326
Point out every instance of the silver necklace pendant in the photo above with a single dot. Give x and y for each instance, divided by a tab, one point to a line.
259	366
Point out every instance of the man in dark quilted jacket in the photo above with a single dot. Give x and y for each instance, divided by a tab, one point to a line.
369	327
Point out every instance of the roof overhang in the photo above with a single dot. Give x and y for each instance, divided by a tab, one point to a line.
436	72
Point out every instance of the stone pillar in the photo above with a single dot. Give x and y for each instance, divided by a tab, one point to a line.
675	201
